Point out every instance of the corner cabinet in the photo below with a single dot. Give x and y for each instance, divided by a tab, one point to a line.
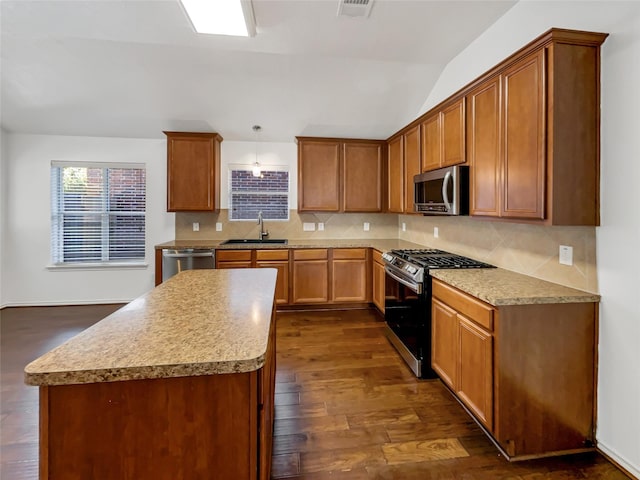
403	164
193	172
340	175
533	133
526	373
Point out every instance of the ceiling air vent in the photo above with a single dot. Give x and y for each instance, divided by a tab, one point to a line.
354	8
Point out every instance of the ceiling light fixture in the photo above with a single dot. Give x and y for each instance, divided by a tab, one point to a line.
256	170
221	17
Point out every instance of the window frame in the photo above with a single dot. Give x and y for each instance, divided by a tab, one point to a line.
56	242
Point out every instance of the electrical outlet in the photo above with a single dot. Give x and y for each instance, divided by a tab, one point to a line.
566	255
436	232
218	226
196	226
404	227
320	227
366	226
309	227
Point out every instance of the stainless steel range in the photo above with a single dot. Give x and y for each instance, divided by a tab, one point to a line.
408	301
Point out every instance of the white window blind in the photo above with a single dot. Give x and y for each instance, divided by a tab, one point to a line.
97	213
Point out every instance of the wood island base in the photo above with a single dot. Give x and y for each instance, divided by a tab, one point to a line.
186	427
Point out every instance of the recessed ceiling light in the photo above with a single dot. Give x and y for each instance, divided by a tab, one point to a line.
221	17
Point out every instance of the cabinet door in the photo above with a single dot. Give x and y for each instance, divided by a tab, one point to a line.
475	374
444	340
524	156
485	155
453	134
378	286
362	177
318	176
282	282
349	275
395	175
310	281
411	165
193	170
431	143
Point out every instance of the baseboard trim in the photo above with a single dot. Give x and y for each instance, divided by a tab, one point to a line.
68	303
615	458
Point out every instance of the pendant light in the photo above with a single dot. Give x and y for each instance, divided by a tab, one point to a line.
257	172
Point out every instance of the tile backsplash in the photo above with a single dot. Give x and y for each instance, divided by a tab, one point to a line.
336	225
523	248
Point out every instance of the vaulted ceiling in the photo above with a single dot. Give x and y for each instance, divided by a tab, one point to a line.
131	68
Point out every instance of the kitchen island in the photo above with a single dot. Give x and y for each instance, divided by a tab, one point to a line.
176	384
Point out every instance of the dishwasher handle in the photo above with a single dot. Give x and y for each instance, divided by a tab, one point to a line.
186	253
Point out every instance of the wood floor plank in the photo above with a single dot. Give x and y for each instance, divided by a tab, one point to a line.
423	450
341	459
389	418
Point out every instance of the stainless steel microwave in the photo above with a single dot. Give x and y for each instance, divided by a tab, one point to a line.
442	192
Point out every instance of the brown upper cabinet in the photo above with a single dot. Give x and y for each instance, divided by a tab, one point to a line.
395	175
403	164
193	172
340	175
529	129
443	136
533	133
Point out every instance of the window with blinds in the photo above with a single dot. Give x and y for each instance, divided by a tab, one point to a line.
97	213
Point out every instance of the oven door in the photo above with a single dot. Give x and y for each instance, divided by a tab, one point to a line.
408	317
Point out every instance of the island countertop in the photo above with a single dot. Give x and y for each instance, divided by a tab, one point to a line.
199	322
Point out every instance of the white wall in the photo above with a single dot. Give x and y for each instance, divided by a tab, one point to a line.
26	222
268	153
618	239
3	203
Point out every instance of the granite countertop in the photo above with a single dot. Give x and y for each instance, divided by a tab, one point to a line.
498	287
199	322
378	244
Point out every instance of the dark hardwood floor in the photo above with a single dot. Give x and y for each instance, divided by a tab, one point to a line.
346	406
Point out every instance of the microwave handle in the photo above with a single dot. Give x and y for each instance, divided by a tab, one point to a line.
447	178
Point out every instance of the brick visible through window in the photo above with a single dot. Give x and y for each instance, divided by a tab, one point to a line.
249	195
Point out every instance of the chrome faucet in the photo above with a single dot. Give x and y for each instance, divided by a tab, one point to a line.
263	233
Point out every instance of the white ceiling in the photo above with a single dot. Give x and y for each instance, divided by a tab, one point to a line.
129	68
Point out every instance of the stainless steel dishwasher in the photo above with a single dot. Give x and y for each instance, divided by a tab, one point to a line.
175	261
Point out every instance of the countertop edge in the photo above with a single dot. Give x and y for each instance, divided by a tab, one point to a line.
78	377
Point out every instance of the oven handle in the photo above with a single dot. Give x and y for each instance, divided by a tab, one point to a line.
417	288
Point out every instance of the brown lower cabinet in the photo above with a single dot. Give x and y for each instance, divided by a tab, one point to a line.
243	258
278	259
310	276
161	429
525	372
350	277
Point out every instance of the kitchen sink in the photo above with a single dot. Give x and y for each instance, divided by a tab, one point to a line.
243	241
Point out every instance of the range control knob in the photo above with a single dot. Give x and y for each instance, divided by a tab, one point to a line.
411	269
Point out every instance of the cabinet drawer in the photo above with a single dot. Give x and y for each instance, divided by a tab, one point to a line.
349	253
280	254
377	256
468	306
310	254
232	255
